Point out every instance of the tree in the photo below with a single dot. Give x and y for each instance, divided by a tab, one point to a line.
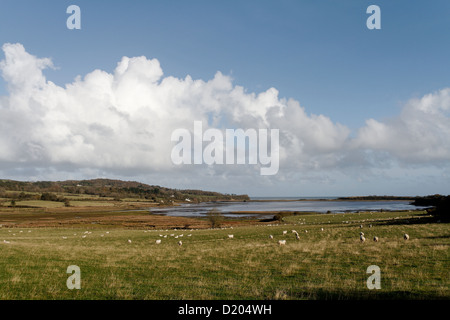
441	210
66	202
215	218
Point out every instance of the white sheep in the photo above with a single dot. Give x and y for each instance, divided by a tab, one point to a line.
285	232
321	229
375	239
406	236
281	242
158	241
361	238
129	241
180	243
230	236
297	236
270	236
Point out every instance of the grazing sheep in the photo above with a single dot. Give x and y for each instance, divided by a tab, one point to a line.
64	237
297	236
293	231
180	243
360	226
321	229
406	236
361	233
285	232
4	241
370	226
270	236
158	241
129	241
361	238
230	236
281	242
375	239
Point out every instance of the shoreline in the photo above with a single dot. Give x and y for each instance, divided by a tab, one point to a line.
333	199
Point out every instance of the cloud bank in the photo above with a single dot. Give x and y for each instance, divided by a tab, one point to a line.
121	123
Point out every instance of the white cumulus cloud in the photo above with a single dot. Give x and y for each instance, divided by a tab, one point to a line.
420	134
121	122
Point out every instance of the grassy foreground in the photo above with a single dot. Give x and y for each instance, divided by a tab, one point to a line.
328	264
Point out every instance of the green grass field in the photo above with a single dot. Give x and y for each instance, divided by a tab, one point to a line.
328	264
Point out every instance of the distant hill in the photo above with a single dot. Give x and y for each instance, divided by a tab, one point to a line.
378	198
111	188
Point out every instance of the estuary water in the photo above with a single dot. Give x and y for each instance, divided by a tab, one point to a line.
245	209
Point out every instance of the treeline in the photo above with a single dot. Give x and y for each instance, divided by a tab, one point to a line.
116	189
440	205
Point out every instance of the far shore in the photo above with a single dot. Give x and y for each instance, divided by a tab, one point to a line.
323	199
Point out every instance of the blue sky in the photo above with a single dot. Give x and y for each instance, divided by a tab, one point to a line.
319	53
